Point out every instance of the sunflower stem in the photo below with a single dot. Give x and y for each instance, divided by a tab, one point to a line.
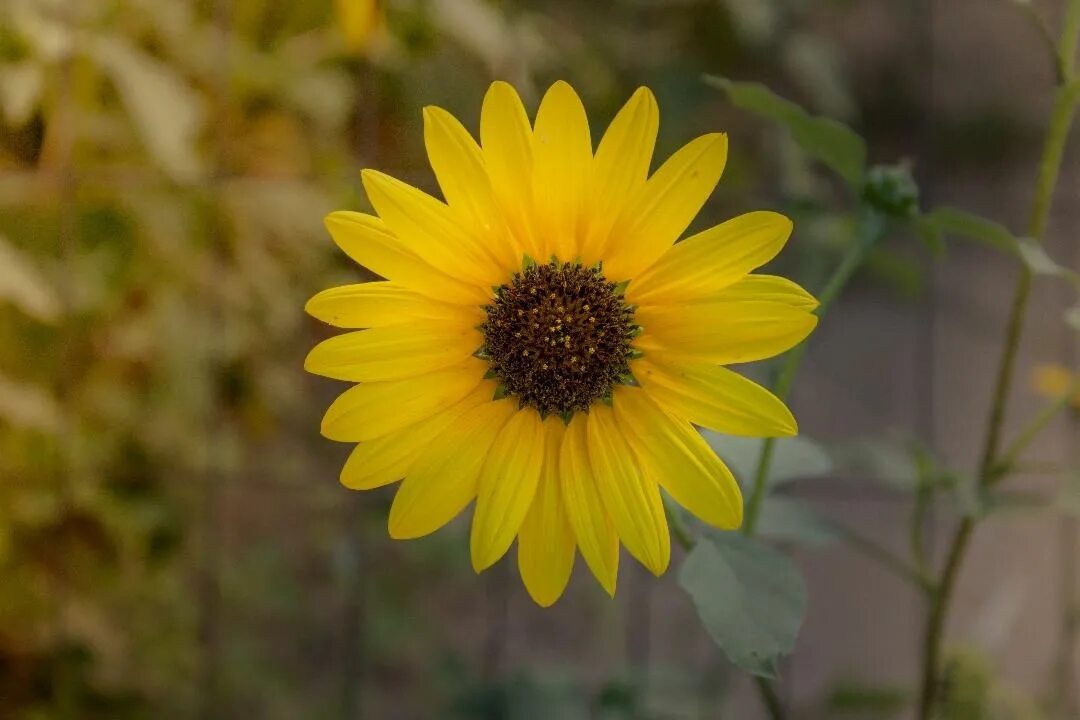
871	227
1049	168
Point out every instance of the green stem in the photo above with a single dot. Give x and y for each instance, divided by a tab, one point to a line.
870	229
886	558
1049	169
1070	36
772	701
1031	431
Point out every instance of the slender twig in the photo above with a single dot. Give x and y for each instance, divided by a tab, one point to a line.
888	559
1045	36
1031	431
772	701
1049	169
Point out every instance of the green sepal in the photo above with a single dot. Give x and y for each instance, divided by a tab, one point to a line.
482	354
527	262
491	374
567	416
620	287
500	392
608	399
635	330
635	354
497	290
629	379
598	266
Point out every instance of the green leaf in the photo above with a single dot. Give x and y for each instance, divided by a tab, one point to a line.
750	598
950	221
21	86
24	286
831	142
1035	257
165	110
27	406
793	458
878	460
788	519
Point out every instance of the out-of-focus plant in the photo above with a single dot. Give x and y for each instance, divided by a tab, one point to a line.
164	168
756	617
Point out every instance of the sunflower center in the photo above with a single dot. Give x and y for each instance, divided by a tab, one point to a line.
558	337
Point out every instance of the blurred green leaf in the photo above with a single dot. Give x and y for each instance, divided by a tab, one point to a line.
1036	258
833	143
789	519
750	598
27	406
950	221
166	111
24	286
20	89
793	458
878	460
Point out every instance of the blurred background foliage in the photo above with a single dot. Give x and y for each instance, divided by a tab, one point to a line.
172	539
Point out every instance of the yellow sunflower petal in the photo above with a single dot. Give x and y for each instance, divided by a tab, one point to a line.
379	304
769	288
507	485
621	167
392	353
387	459
546	541
458	164
674	454
506	138
367	240
665	206
443	480
428	228
714	397
365	412
632	501
562	155
713	259
724	332
593	529
459	167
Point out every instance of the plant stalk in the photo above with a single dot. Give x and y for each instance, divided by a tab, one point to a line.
1049	169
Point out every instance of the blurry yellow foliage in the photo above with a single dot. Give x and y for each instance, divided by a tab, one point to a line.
1052	381
360	22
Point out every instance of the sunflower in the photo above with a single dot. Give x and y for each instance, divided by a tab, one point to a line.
545	344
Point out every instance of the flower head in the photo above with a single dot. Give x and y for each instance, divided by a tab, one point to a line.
1054	381
544	344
